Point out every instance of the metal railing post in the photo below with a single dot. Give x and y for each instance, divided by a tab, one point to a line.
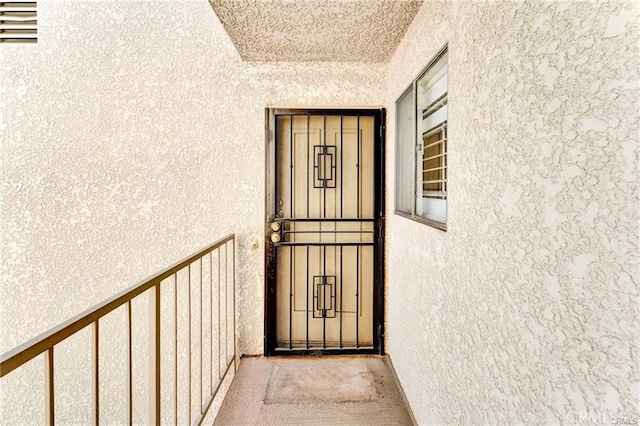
96	372
49	387
154	354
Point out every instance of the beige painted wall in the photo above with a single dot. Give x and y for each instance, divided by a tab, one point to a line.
526	309
131	136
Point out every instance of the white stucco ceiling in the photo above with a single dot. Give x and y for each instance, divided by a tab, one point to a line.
316	30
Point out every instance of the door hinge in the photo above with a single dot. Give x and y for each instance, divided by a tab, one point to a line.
380	229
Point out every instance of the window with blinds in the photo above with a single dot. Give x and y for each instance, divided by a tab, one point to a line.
421	146
18	22
431	201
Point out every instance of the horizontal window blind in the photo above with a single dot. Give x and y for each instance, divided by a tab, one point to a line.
18	22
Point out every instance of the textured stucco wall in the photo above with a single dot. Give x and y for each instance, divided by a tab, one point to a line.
114	144
526	309
131	136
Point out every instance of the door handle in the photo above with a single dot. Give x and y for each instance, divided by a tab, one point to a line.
276	235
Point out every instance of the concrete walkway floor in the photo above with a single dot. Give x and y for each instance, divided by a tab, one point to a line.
340	390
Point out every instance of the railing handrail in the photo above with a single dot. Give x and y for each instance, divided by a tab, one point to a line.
22	354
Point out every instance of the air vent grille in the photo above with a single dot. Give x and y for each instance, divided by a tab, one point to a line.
18	22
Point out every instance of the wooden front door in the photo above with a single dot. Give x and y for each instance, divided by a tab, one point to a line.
325	232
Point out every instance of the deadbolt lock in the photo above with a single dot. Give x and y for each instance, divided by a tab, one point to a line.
275	237
275	226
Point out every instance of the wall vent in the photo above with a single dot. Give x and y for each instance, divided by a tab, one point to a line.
18	22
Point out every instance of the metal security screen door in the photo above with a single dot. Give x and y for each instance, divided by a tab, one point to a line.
325	232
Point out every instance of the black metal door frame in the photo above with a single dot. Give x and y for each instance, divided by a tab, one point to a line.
270	306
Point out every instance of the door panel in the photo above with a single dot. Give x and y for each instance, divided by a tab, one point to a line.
327	208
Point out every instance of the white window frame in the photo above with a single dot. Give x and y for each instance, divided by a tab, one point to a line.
412	199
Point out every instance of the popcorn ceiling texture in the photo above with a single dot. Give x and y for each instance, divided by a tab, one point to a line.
316	30
132	135
526	310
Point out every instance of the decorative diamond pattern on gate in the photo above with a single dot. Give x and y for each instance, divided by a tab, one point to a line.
324	296
324	166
